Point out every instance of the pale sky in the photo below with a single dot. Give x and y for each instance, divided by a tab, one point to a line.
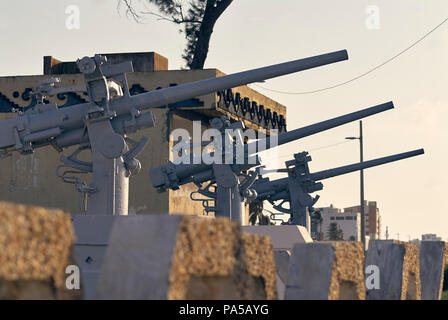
254	33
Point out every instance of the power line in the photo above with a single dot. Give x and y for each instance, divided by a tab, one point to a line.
319	148
365	73
331	145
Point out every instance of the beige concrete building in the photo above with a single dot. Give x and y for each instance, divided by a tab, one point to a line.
348	222
31	179
372	218
346	218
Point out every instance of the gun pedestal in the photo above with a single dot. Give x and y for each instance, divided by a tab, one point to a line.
229	202
299	185
110	175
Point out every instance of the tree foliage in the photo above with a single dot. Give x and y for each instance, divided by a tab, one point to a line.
445	284
334	232
197	17
256	216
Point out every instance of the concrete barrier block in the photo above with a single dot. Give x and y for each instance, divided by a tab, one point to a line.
185	257
326	270
260	262
281	258
283	237
36	246
399	268
433	259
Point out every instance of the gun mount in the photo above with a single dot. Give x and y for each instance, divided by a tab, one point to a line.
227	183
296	188
102	124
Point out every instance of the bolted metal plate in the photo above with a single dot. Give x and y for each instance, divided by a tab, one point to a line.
112	145
86	65
225	177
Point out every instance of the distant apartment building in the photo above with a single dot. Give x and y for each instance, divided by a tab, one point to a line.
430	237
372	218
426	237
348	222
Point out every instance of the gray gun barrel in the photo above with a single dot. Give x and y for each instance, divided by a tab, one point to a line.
325	174
268	188
321	126
272	188
183	171
166	96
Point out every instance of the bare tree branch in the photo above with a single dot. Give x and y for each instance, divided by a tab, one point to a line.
130	10
198	18
174	20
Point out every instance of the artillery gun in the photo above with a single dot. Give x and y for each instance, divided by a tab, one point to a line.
227	183
296	188
102	124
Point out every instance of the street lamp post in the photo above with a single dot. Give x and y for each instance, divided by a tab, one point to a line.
363	223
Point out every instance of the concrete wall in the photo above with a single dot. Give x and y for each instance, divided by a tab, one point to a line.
141	61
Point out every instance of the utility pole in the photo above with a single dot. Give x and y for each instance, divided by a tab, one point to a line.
363	214
361	153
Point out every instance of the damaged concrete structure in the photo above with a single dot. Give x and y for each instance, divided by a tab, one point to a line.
184	257
326	271
36	250
399	268
180	257
283	239
433	261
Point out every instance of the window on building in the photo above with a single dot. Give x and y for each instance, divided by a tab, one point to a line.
349	218
331	218
339	218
